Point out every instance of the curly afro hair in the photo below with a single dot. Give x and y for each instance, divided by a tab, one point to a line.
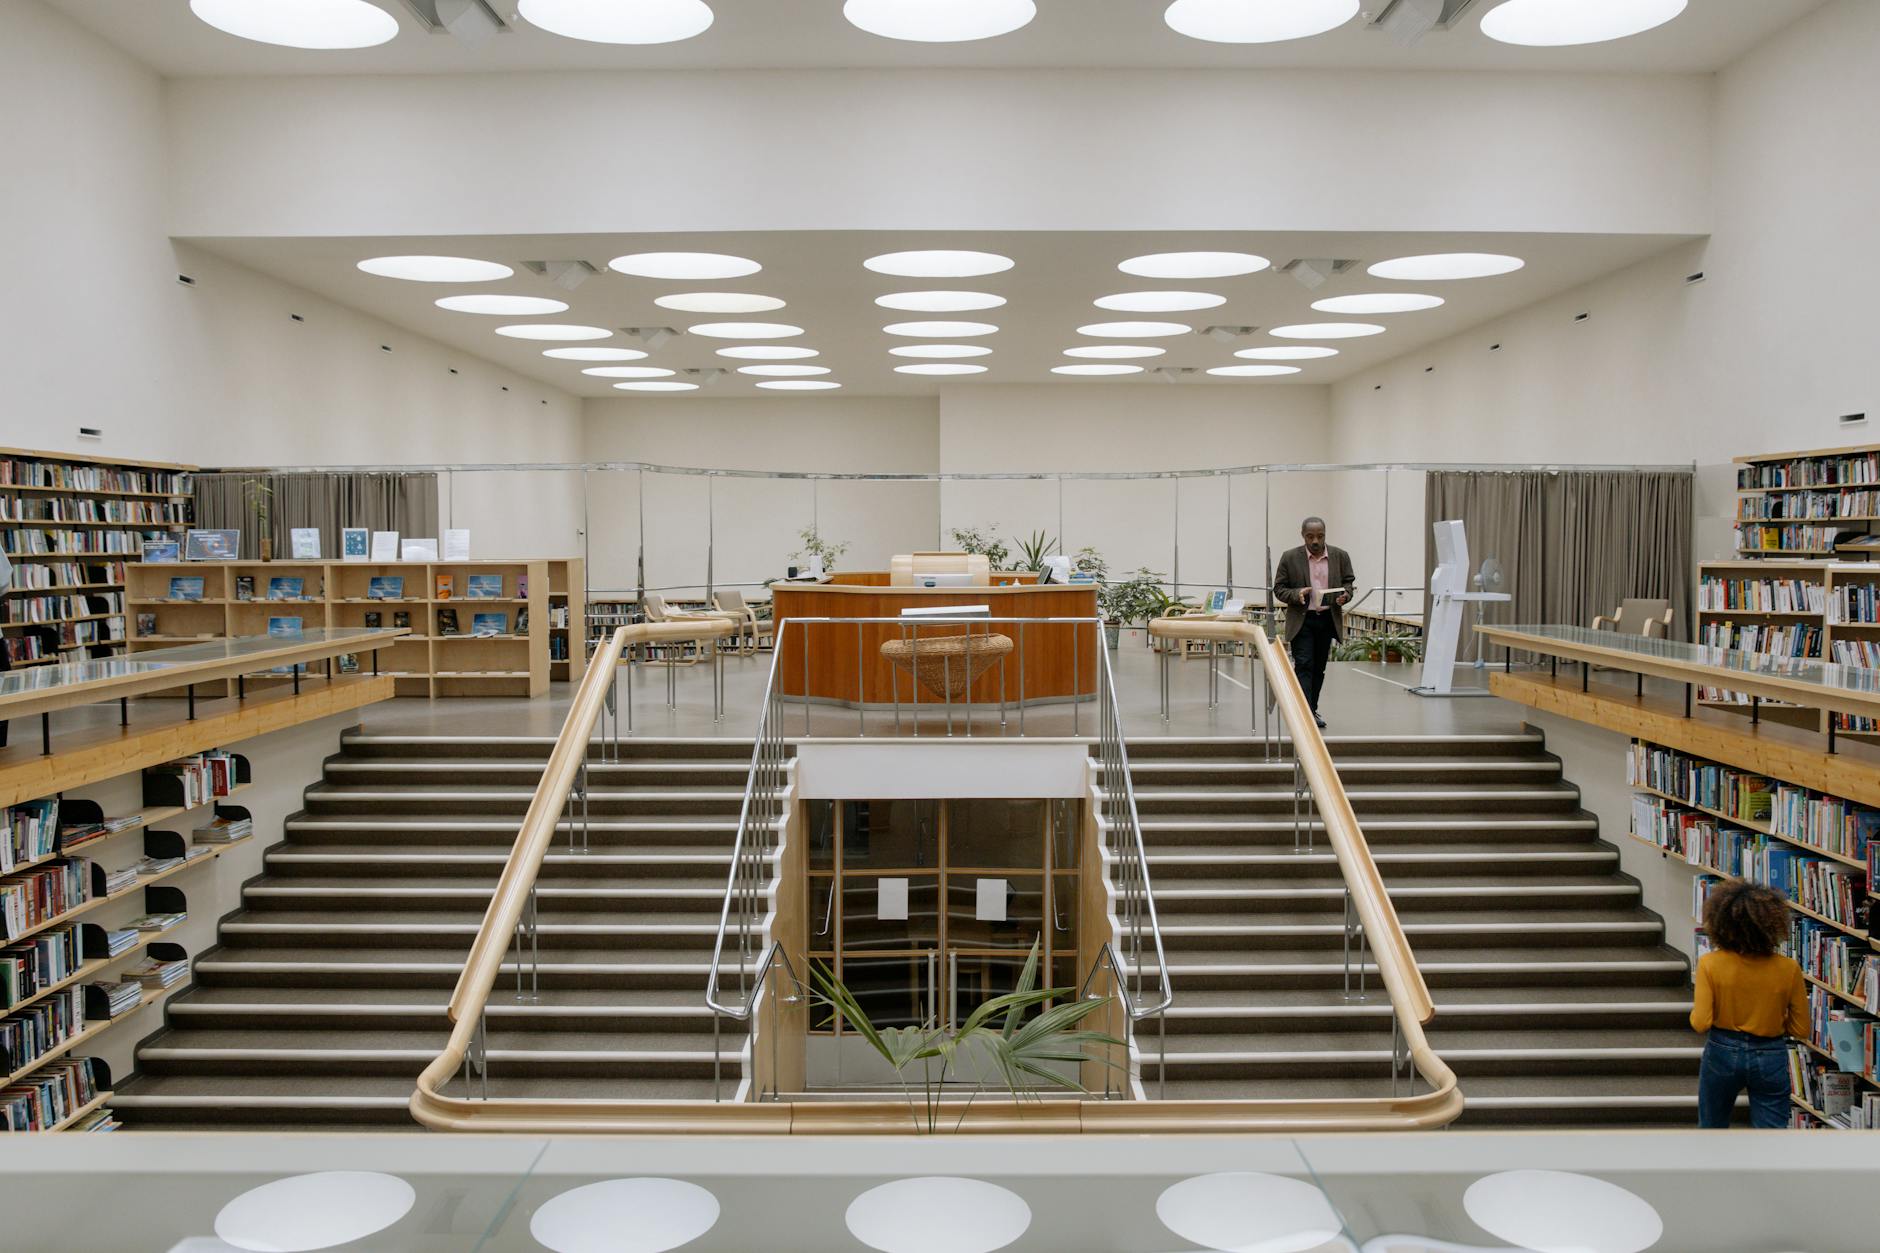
1746	918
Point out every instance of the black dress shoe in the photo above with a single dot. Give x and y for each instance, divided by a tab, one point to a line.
1319	720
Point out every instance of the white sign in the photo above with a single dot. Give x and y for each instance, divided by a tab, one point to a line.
420	549
891	900
385	545
990	906
306	543
456	545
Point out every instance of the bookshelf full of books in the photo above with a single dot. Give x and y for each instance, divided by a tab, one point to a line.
478	628
86	928
71	526
1808	504
1822	853
1805	609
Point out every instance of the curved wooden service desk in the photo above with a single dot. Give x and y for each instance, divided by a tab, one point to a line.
1059	658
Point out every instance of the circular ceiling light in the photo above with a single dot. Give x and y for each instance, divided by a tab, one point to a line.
1253	371
1135	330
1115	352
316	1211
768	352
800	385
595	354
1257	21
1558	23
941	330
1328	330
784	371
630	372
323	25
1285	354
719	302
1441	267
939	263
938	1214
502	306
940	367
1554	1211
940	352
939	21
683	265
621	22
625	1216
436	269
1159	301
1378	302
1095	371
746	330
1249	1212
656	385
940	301
1194	265
550	330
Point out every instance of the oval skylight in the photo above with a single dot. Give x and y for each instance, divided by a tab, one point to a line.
800	385
315	1211
783	371
1442	267
746	330
1257	21
940	301
940	367
1558	23
625	1216
1378	302
1285	354
502	306
1194	265
1253	371
551	330
630	372
939	21
1328	330
1249	1211
1558	1211
941	352
436	269
719	302
683	265
1115	352
638	22
939	263
322	25
941	330
938	1214
595	354
1159	301
768	352
1095	371
656	385
1135	330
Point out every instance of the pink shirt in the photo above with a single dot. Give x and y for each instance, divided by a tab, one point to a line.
1321	566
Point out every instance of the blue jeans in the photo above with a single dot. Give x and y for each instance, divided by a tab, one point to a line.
1735	1060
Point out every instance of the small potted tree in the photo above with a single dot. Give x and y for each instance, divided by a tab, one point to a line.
259	498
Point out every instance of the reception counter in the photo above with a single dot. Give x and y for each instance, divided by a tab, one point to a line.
842	662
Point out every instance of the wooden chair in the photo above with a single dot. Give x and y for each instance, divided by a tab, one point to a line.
656	610
731	604
1636	616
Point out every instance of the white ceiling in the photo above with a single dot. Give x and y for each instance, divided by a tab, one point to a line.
832	296
812	34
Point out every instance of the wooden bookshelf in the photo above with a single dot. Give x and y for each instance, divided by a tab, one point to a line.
429	662
99	510
1803	503
567	605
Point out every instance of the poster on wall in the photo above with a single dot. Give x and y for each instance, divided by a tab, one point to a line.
353	544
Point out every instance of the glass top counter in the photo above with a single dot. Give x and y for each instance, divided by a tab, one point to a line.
1828	680
39	680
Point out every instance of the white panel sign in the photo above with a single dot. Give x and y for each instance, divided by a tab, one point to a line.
991	904
891	900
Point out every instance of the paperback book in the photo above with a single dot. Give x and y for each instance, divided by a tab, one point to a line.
385	587
485	586
186	587
487	624
286	588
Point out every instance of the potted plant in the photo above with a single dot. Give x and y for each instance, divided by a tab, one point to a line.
259	498
1162	604
1384	646
1133	600
1033	551
982	543
814	545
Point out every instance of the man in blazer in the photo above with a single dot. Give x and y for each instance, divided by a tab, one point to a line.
1315	582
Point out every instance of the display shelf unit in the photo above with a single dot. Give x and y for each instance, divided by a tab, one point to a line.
567	619
93	514
428	662
1802	504
1850	937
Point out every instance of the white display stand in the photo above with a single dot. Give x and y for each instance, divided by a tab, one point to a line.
1449	591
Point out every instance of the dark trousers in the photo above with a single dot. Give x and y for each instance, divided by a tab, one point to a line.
1311	649
1735	1060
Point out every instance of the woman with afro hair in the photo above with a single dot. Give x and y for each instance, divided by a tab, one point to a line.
1750	999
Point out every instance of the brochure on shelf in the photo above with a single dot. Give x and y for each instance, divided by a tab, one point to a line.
212	546
305	542
186	587
385	545
457	545
354	544
419	549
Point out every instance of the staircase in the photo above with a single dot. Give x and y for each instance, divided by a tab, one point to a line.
1557	1000
326	995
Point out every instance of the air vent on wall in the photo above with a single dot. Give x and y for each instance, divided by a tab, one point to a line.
1850	419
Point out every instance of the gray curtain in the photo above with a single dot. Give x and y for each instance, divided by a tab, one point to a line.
406	503
1572	544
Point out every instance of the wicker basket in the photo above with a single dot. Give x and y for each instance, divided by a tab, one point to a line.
947	665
